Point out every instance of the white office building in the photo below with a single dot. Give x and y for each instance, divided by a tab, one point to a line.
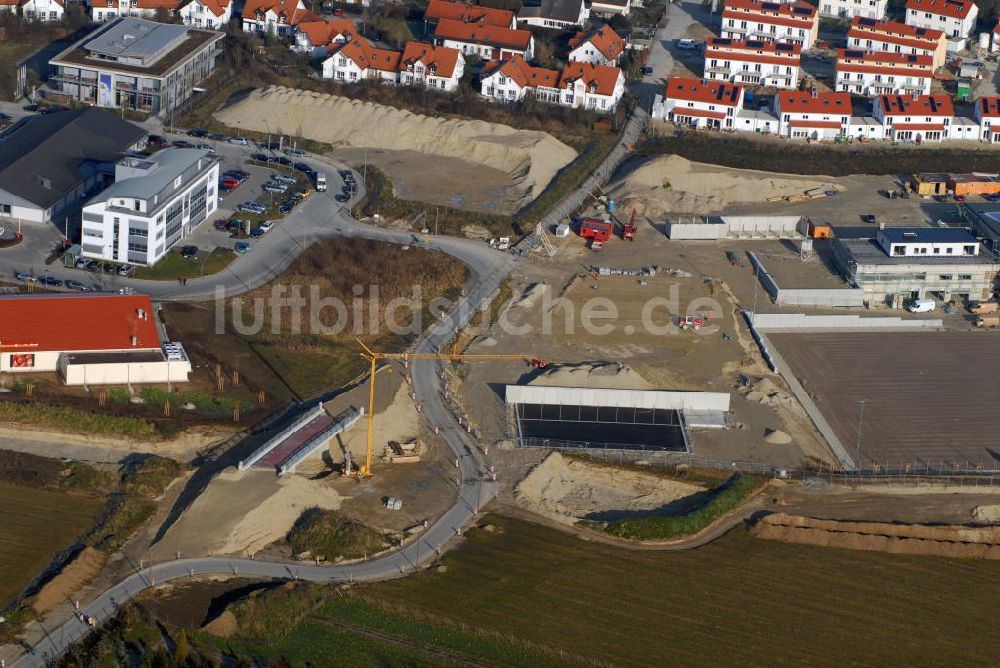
154	203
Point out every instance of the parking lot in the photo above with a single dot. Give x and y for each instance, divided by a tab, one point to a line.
928	394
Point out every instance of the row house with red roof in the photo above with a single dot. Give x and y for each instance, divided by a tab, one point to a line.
915	118
894	37
275	17
578	85
486	41
109	10
810	115
793	22
464	12
213	14
701	104
873	73
598	47
955	18
752	62
988	118
419	64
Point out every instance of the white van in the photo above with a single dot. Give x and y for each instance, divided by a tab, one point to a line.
922	306
687	44
320	181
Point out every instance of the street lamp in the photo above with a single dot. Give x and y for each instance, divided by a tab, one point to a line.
861	419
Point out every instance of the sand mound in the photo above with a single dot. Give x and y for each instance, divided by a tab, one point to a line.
568	490
777	437
531	158
70	579
986	513
223	626
605	375
673	184
242	513
530	295
945	540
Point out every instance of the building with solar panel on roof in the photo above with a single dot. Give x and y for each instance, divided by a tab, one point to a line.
136	64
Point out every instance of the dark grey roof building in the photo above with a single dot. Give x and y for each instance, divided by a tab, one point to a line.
553	13
49	163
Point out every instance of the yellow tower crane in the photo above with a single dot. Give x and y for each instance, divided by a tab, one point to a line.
373	358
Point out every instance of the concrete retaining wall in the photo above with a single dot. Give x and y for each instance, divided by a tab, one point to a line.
696	231
834	297
796	321
736	227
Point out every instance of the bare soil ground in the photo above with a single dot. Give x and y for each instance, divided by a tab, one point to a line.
568	490
81	570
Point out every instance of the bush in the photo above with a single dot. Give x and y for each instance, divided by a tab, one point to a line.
328	534
73	419
727	496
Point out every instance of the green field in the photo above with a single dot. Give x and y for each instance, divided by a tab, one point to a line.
738	601
172	266
34	525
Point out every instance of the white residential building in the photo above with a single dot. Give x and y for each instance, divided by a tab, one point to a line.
794	22
578	85
956	18
42	10
807	115
883	73
988	116
557	14
466	12
487	42
599	47
357	60
848	9
434	67
154	202
319	38
608	8
700	104
275	17
214	14
108	10
922	242
752	62
918	119
894	37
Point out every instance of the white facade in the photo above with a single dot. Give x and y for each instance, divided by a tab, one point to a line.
502	88
752	62
42	10
922	119
794	22
274	17
581	94
419	74
603	47
548	15
701	105
214	15
154	203
918	243
882	73
108	10
848	9
487	51
611	7
343	69
956	18
893	37
807	116
988	117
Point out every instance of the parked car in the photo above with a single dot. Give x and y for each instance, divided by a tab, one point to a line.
295	152
304	192
198	133
206	147
241	247
251	207
343	198
50	281
155	141
24	276
284	178
238	174
189	251
81	263
286	208
180	143
302	167
221	224
282	160
868	218
229	182
273	146
239	139
646	71
4	117
217	136
256	233
235	226
320	182
93	265
994	197
266	226
31	107
76	285
687	44
259	157
922	306
273	187
125	270
959	198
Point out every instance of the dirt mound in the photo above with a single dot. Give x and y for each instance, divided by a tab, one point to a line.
954	541
70	579
223	626
777	437
605	375
986	513
242	513
674	184
531	158
568	489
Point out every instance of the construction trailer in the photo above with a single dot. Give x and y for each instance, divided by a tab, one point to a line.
818	229
974	184
927	184
597	229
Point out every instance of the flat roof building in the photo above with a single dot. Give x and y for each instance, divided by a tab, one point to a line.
154	203
137	64
50	163
91	339
916	263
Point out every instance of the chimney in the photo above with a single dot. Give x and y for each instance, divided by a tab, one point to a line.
135	341
815	93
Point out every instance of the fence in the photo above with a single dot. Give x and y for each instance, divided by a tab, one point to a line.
908	473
